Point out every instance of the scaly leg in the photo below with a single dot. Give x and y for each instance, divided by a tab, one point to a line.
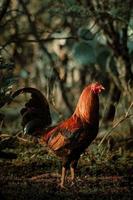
63	176
72	170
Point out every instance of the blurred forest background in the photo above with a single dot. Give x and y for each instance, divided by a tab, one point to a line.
61	46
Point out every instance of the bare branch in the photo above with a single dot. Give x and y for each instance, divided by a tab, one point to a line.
122	119
4	8
24	40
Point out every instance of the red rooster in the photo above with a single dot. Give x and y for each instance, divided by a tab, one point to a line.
70	138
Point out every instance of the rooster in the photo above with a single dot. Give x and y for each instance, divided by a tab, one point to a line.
69	138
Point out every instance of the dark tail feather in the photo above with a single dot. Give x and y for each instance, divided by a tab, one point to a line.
36	114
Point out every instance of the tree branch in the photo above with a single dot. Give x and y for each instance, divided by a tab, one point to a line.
4	8
24	40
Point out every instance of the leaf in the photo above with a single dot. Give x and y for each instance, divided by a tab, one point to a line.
130	46
102	56
7	65
69	2
6	81
85	34
131	23
24	73
84	53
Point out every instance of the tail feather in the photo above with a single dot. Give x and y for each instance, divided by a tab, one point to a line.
36	113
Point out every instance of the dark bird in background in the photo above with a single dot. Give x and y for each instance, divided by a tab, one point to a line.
69	138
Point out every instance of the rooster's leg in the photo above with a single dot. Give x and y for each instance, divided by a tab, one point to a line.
72	170
63	175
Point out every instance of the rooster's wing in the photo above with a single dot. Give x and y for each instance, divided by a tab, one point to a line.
69	137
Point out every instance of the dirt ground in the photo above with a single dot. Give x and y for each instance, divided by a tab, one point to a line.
38	180
45	186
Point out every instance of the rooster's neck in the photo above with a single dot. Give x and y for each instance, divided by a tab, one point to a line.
88	108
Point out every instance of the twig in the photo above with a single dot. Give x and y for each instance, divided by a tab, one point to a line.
126	116
23	139
23	40
129	108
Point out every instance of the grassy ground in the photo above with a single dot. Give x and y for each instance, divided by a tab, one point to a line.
35	175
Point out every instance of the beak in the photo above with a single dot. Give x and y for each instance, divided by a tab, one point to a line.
102	88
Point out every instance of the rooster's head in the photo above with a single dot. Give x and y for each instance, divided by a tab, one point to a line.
97	87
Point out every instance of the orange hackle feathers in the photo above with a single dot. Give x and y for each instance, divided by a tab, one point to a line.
87	105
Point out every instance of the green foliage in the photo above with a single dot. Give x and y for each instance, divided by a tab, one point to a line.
91	51
131	23
69	2
85	34
84	53
102	56
23	74
130	46
6	81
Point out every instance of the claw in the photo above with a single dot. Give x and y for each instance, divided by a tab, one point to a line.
61	186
